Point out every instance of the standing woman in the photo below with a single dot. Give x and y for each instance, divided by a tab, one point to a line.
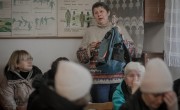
19	73
104	84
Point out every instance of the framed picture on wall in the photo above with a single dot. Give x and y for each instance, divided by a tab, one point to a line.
45	18
28	18
74	16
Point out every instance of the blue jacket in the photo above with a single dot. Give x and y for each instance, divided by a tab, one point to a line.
120	95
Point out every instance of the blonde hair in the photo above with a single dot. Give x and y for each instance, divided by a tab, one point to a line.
16	57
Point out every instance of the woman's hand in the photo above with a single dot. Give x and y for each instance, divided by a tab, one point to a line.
94	45
93	48
136	84
170	99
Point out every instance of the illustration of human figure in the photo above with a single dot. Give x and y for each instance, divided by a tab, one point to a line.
42	21
41	1
88	19
25	21
14	2
29	26
68	18
21	1
20	22
52	18
74	18
13	20
45	19
82	19
36	21
51	4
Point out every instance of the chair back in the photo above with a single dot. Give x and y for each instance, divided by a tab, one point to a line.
99	106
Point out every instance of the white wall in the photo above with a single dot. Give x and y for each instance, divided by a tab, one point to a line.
154	37
44	51
154	41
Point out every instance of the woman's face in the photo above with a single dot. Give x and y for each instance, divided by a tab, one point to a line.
153	101
25	64
101	15
131	77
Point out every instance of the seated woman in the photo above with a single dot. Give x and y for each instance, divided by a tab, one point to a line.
19	74
155	91
50	73
68	90
133	74
176	87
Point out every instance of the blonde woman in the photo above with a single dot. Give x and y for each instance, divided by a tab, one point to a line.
19	73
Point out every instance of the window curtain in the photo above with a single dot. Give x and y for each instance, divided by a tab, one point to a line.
172	33
130	15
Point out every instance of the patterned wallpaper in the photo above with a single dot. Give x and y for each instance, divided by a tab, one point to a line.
130	14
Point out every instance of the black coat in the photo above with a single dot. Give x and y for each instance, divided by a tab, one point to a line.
176	88
44	98
136	103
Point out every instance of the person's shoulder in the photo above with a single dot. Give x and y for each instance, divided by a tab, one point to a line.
121	82
177	81
91	28
9	75
176	86
97	28
36	69
47	73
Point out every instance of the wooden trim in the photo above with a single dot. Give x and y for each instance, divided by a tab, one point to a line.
99	106
48	37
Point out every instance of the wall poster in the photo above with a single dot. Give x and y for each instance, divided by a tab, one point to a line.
45	18
74	16
5	18
34	18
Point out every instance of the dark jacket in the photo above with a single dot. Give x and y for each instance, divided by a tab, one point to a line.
44	98
136	103
176	88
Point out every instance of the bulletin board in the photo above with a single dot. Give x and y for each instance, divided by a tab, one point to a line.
44	18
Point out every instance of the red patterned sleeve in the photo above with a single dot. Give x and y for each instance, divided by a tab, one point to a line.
82	55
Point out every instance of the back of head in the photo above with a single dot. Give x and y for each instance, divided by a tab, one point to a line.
157	78
54	66
72	81
55	63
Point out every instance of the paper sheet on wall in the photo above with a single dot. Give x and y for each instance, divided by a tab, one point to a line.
74	16
45	18
34	18
5	18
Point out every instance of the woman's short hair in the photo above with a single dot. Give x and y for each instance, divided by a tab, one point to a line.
54	66
55	63
134	66
16	57
100	4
